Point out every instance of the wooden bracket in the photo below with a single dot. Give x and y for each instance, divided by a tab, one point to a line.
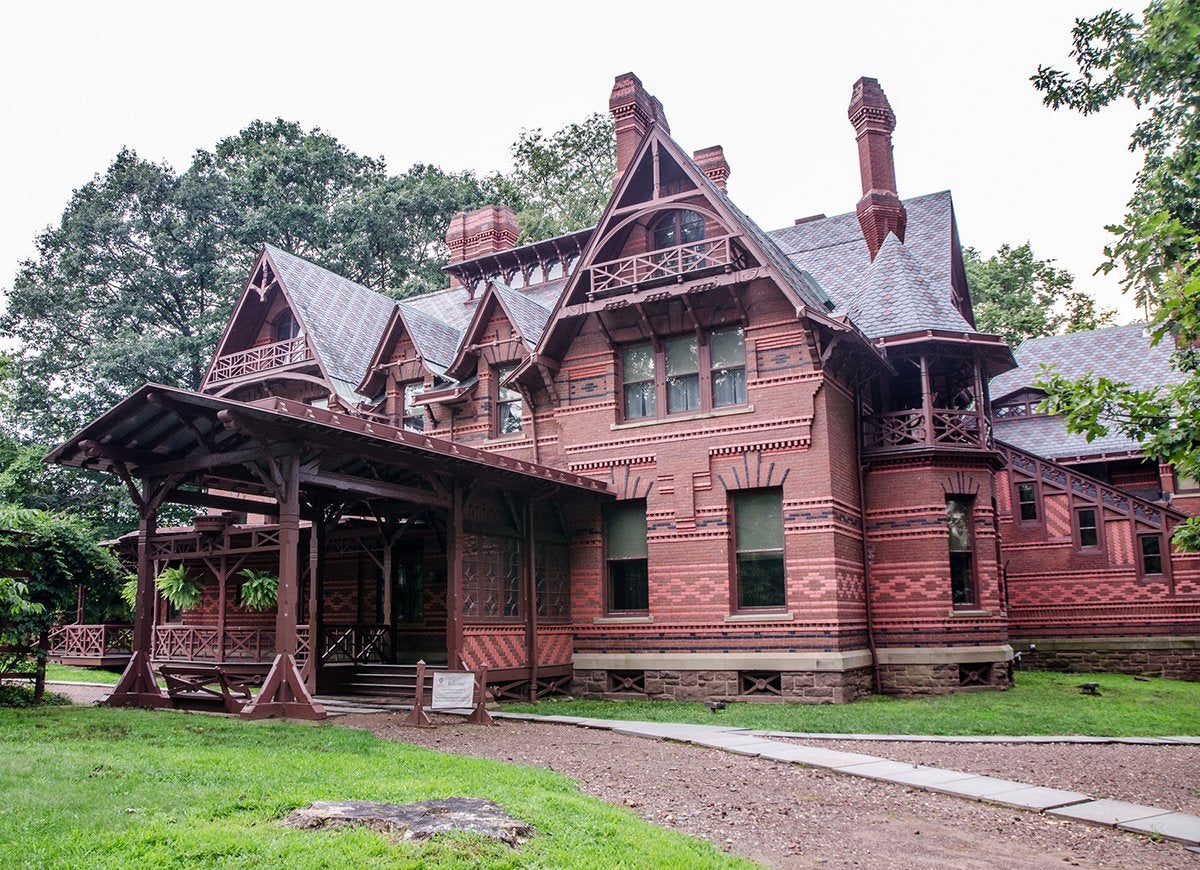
284	694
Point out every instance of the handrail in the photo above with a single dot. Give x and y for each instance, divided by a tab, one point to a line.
663	263
261	358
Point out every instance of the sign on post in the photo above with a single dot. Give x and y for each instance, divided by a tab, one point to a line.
453	690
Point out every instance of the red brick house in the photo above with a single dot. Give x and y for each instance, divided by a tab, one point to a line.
673	455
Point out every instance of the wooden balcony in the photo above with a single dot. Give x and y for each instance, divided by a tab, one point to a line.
918	429
103	645
261	359
663	265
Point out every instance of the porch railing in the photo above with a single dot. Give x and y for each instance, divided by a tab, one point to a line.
261	358
894	430
665	263
356	643
90	641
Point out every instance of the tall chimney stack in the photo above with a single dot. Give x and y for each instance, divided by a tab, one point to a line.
633	112
879	211
486	230
712	163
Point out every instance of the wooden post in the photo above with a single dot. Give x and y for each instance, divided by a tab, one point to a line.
480	715
316	593
418	718
137	686
530	596
222	604
926	397
454	568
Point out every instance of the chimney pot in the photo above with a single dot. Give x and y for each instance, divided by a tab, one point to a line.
634	111
712	163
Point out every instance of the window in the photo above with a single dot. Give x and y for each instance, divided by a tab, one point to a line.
509	407
625	552
1183	483
758	549
1027	501
413	415
1088	528
1151	550
678	228
637	372
286	326
962	551
684	374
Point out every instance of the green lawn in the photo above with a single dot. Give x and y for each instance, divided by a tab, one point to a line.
69	674
1041	703
128	788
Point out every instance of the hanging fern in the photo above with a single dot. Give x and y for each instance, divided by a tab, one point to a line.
260	589
178	588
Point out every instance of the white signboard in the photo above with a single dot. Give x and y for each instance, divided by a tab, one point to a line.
453	690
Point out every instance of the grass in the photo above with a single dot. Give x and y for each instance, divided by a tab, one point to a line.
68	674
1041	703
127	788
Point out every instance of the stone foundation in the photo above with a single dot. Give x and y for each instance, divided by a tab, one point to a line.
813	687
941	679
1173	657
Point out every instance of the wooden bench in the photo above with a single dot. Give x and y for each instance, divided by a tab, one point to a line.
227	685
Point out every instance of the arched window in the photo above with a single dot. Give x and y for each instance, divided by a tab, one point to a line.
675	228
286	326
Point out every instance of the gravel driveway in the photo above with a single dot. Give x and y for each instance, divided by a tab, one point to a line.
783	815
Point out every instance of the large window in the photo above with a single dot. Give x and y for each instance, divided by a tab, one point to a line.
413	414
1150	549
625	552
697	372
758	549
508	407
678	228
962	551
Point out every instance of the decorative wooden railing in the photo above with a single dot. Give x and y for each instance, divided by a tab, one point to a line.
356	643
261	358
898	430
665	263
90	641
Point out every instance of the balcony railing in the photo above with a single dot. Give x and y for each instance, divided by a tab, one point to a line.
357	643
203	643
261	358
91	642
896	430
662	264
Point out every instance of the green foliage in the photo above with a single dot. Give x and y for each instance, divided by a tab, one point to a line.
560	183
1154	64
129	591
260	589
63	555
179	587
1018	296
1040	703
129	789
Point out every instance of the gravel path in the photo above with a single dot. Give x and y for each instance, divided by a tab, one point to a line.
783	815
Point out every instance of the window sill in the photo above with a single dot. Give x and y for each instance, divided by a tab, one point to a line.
506	439
782	616
622	620
683	418
968	613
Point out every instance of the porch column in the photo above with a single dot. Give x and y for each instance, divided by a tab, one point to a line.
454	570
222	605
531	600
926	398
138	686
316	595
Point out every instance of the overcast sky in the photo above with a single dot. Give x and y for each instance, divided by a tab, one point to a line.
454	83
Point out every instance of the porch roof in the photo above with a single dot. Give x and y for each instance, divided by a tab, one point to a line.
209	441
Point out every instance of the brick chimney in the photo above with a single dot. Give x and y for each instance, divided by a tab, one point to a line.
486	230
633	111
880	210
712	163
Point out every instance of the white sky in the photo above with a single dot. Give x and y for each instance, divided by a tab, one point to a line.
453	84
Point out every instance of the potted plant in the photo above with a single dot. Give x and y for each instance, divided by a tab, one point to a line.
178	587
260	589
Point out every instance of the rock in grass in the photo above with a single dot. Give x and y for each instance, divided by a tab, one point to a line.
417	821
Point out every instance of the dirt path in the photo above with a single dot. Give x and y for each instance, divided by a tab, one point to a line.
783	815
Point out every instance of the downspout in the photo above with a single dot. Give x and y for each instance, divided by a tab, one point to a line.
866	554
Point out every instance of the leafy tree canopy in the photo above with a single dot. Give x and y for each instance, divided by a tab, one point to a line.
560	182
1154	63
1018	296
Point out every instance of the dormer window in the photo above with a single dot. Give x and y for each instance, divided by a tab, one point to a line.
678	227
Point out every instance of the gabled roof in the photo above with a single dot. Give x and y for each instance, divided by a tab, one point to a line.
436	340
898	295
527	316
344	321
1119	353
1048	436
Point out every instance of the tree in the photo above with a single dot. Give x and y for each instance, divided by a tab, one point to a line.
1152	62
560	183
1018	296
